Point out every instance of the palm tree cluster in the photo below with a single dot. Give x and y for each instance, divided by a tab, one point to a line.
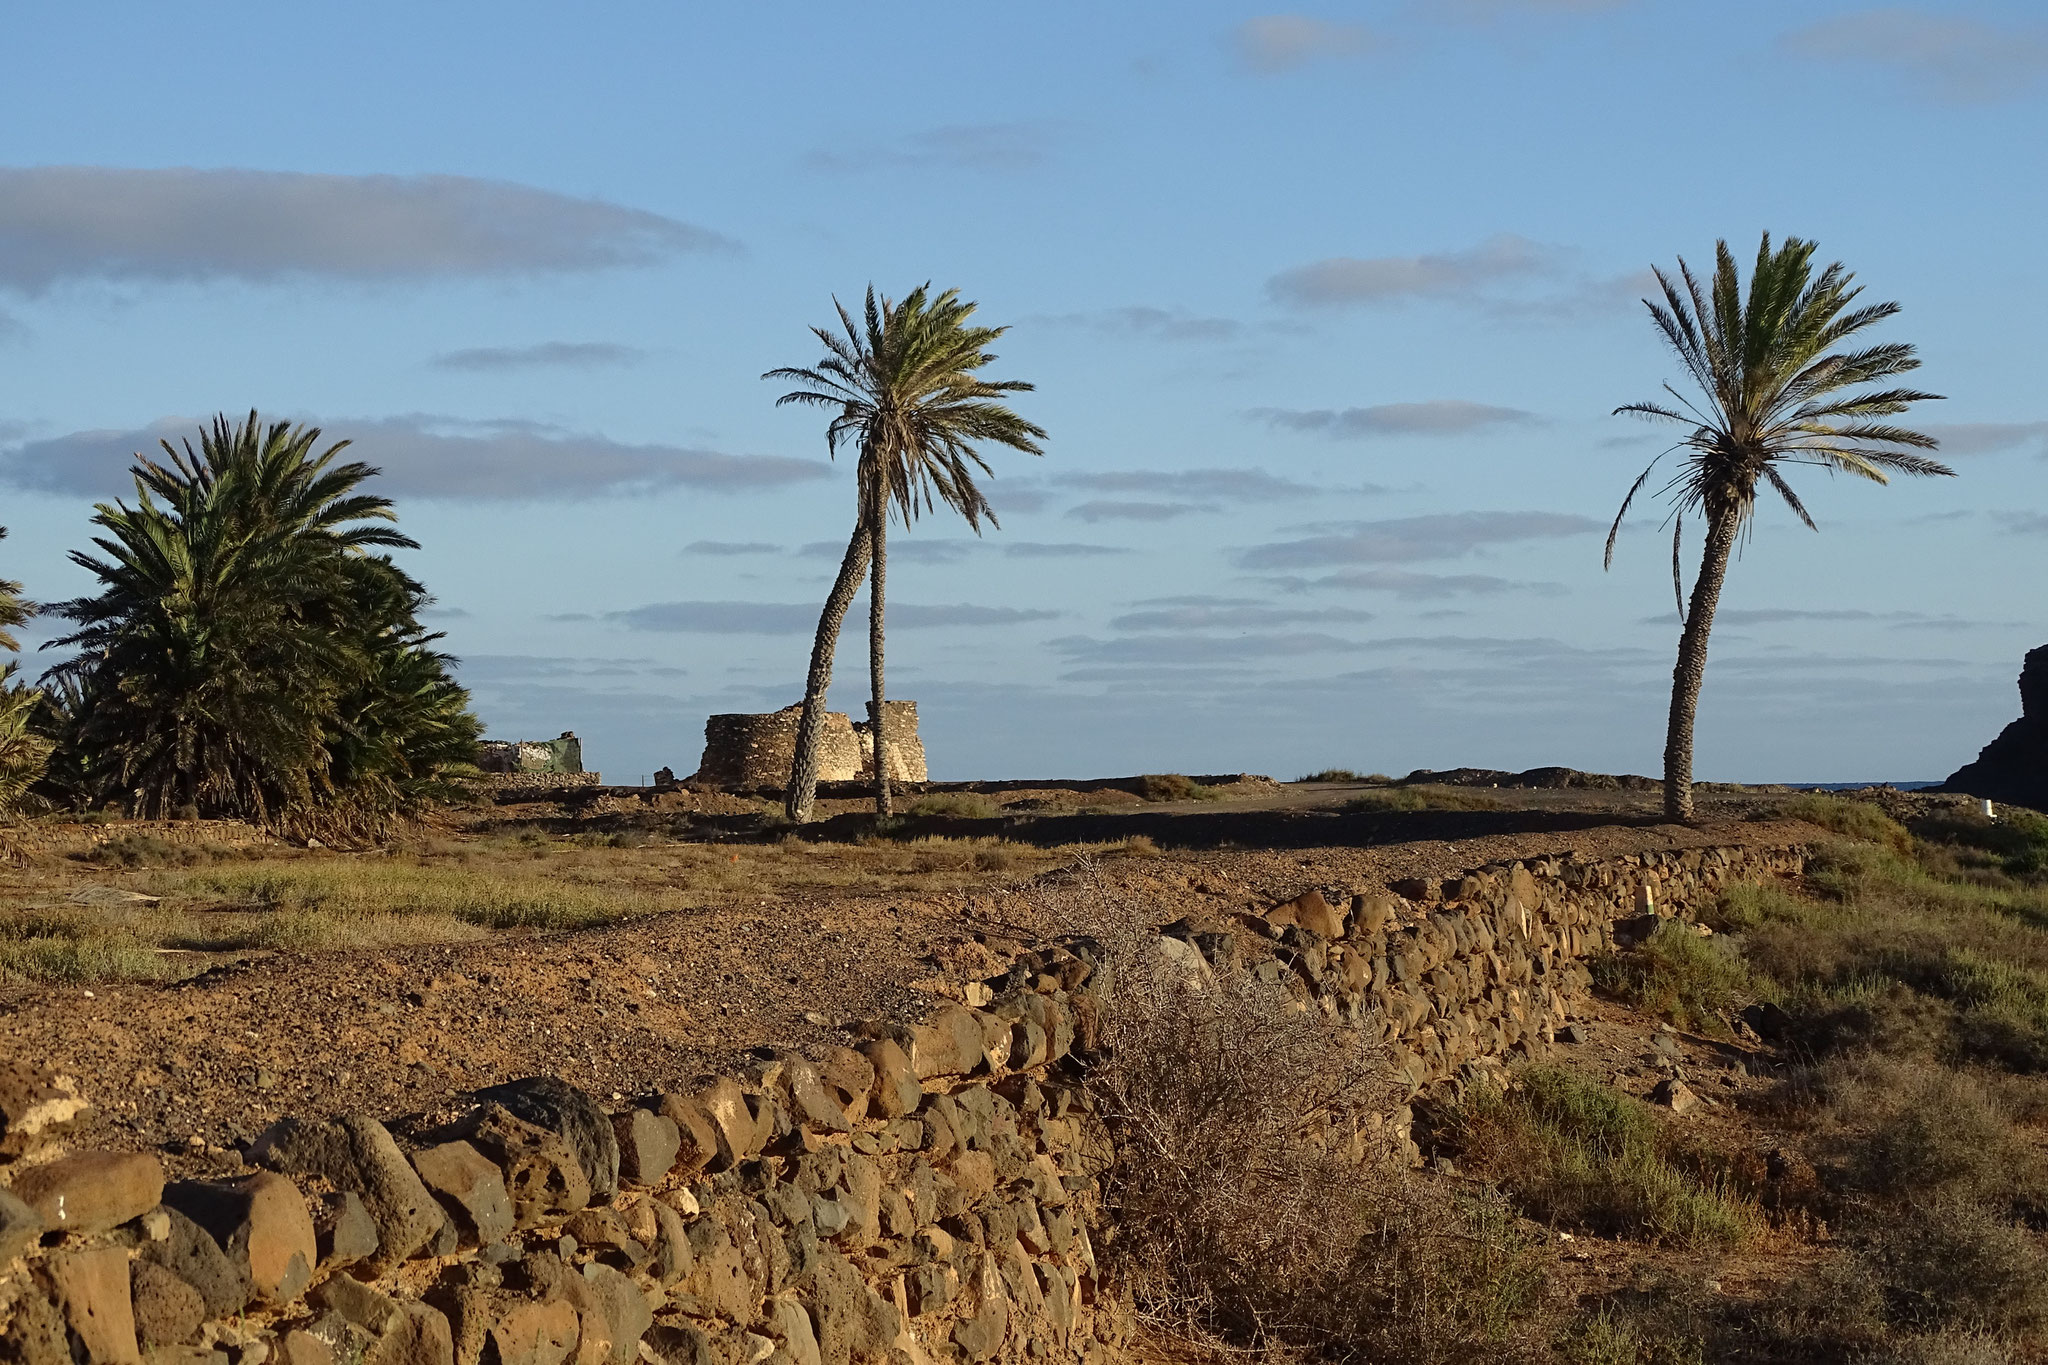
254	651
1774	391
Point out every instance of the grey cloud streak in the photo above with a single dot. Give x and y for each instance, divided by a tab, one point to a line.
423	456
801	618
1228	613
1402	539
1952	57
1109	510
1419	587
61	223
1272	43
545	355
1437	417
1343	280
1170	649
1228	485
993	147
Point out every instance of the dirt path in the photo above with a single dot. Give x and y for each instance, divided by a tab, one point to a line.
641	1006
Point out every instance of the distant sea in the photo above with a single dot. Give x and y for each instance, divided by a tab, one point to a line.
1852	786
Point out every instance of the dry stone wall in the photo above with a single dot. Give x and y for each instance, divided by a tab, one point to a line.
56	836
930	1194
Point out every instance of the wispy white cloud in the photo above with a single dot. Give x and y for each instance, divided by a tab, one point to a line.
1949	56
1272	43
60	223
1439	417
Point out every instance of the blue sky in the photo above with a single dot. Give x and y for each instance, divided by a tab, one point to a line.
1326	310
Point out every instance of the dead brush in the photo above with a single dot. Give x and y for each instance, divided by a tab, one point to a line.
1255	1210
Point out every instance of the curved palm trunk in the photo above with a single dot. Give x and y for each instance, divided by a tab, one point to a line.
879	535
802	795
1692	666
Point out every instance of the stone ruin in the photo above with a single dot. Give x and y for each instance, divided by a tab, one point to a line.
535	765
2014	767
757	750
561	755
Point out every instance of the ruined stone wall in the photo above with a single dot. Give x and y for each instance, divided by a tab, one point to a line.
751	751
928	1195
906	749
1462	976
540	782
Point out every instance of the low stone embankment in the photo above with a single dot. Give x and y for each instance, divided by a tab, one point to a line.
930	1194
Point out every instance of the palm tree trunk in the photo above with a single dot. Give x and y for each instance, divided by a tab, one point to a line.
802	795
877	724
1692	665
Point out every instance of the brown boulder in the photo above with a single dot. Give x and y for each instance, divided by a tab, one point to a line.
92	1191
262	1224
168	1311
470	1187
93	1288
355	1153
542	1174
648	1145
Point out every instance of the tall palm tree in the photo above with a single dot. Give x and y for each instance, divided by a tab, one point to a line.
1772	393
903	386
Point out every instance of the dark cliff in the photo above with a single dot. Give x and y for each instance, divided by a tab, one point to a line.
2014	767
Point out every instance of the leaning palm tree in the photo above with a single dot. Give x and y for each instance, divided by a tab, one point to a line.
1772	393
902	382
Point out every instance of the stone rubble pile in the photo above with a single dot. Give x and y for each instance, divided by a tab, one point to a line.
927	1195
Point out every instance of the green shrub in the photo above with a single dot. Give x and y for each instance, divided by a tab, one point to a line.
1174	787
1576	1153
1692	981
1331	775
1937	1134
1422	798
1850	819
1748	905
1958	1265
957	806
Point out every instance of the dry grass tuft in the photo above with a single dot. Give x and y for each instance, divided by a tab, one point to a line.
1255	1213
